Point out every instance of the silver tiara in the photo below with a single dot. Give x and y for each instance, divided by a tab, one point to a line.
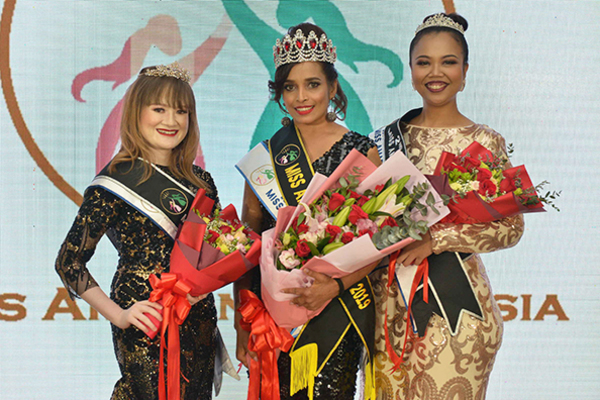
301	48
173	70
440	20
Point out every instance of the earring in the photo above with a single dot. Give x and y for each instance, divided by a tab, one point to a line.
463	86
286	121
331	115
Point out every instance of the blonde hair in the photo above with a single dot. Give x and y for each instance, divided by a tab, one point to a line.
173	92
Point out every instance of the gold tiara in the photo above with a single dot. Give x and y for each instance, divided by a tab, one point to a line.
173	70
301	48
440	20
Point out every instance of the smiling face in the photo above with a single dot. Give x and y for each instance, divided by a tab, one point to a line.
306	93
438	69
163	127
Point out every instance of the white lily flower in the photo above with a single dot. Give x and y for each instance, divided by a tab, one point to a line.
390	207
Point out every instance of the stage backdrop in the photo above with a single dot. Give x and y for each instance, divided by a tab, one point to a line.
65	66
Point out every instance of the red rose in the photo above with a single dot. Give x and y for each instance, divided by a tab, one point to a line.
362	200
484	174
487	188
379	188
457	167
347	237
365	232
302	249
226	229
354	195
389	221
212	236
507	185
471	163
302	228
336	201
356	214
333	231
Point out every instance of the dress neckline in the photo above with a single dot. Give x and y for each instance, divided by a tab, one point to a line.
441	127
337	143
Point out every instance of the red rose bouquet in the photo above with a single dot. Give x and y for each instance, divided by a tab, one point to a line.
480	189
345	222
211	250
342	215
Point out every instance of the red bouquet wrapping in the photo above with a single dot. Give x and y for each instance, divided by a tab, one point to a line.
480	189
196	268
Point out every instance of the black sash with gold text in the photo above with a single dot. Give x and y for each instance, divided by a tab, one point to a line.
293	169
320	337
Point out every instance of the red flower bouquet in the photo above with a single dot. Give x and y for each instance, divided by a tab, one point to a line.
211	250
345	222
479	189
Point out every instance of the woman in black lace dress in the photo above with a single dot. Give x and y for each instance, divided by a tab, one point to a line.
129	201
307	84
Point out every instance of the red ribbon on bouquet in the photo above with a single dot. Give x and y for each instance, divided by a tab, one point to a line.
172	294
422	273
265	339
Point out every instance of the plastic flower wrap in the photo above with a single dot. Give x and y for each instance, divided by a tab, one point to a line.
341	215
197	268
211	250
336	227
480	189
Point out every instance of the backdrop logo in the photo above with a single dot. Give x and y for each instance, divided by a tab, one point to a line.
161	32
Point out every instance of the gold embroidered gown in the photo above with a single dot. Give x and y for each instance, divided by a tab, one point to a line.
440	366
143	249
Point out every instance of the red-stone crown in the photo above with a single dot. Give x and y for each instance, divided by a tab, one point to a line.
301	48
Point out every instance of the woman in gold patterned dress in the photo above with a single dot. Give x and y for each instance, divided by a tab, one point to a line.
159	138
443	363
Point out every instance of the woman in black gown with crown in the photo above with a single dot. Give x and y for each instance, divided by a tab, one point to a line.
307	85
159	137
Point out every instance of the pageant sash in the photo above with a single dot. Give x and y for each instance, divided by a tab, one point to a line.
278	172
160	198
451	292
257	169
389	140
293	169
320	337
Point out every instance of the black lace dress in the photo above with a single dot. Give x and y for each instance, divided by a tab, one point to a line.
144	249
337	379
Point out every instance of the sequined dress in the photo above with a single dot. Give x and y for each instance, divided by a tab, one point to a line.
337	379
143	249
440	366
